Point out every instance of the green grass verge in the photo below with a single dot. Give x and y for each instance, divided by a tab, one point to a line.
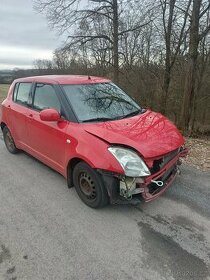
3	91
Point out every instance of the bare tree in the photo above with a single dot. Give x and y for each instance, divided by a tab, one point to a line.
199	10
158	50
175	15
43	66
68	15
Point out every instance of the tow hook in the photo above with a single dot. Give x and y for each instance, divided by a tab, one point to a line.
158	183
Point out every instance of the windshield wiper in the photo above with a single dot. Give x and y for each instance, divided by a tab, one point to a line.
132	114
116	118
98	119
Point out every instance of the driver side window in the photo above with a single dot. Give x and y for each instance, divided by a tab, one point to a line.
45	97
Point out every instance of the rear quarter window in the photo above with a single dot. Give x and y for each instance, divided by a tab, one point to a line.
21	93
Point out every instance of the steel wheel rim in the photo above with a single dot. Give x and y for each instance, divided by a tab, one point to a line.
87	186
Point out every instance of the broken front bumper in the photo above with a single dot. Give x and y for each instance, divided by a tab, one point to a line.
167	174
123	190
150	189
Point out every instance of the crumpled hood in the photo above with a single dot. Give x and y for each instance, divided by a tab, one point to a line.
150	133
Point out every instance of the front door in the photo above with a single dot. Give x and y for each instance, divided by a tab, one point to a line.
47	140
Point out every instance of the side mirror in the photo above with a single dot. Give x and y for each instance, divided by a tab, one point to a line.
50	115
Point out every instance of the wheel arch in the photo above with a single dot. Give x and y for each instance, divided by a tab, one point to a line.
72	162
70	167
110	182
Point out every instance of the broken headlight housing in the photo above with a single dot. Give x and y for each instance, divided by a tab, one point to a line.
131	163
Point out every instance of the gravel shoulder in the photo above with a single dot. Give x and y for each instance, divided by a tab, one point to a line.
199	156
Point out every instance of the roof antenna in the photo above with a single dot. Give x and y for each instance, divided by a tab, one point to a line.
89	77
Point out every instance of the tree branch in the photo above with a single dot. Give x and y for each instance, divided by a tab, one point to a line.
102	1
133	29
204	33
89	13
204	11
92	37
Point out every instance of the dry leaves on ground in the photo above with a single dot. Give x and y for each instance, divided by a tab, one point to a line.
199	155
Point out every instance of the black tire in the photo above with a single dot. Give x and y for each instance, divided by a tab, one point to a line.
9	141
89	186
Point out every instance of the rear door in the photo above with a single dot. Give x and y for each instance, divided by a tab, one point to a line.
47	140
17	113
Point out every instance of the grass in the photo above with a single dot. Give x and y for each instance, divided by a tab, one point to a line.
3	91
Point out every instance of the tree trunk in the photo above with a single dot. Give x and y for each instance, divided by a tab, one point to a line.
167	79
116	41
190	82
167	70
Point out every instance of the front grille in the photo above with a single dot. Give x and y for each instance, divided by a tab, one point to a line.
169	157
160	163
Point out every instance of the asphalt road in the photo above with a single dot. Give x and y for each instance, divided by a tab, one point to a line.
46	232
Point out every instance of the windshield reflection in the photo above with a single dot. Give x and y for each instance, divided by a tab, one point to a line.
100	102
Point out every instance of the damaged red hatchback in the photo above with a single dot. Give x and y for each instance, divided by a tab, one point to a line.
95	135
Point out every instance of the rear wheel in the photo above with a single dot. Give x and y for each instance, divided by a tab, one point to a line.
9	141
89	186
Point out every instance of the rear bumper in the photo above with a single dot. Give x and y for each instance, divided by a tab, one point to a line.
167	175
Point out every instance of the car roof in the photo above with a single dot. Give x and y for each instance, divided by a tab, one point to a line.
64	79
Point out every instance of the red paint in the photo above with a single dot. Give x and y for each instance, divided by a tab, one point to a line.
64	79
49	115
151	134
47	137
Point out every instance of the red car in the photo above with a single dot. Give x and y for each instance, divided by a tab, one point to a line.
95	135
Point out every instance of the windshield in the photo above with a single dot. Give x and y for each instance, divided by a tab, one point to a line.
97	102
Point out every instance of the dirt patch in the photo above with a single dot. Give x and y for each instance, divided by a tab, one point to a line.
199	155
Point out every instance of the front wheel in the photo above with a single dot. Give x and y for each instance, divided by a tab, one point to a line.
89	186
9	141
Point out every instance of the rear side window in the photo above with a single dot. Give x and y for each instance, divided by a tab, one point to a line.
21	93
15	92
45	97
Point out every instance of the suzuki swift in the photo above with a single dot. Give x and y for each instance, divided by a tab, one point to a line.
89	130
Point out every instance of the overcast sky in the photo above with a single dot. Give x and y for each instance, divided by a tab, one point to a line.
24	35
